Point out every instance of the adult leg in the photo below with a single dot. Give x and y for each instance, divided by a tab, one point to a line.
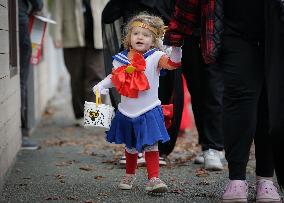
25	55
213	101
243	71
263	145
74	61
265	189
93	71
243	80
275	82
205	84
25	66
192	67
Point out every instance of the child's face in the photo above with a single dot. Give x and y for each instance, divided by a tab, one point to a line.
141	39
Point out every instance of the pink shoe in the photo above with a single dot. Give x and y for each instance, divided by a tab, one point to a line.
236	191
266	191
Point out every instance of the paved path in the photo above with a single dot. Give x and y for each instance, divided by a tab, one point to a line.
77	165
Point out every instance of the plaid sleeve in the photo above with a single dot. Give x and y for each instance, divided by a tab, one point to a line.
182	22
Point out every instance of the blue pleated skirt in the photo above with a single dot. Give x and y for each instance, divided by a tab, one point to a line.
139	132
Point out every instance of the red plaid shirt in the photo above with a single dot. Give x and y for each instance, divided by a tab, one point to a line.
185	19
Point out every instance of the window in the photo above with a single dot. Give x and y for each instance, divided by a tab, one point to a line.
13	39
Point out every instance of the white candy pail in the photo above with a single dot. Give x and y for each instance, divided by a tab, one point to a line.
98	115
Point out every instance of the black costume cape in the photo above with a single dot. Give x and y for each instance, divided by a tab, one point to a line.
274	57
114	15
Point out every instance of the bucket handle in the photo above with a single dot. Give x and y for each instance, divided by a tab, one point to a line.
98	98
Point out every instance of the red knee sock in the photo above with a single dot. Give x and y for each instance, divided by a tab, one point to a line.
131	162
152	162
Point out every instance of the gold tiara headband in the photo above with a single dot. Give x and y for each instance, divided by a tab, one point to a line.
143	25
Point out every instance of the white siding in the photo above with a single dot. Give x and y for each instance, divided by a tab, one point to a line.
10	136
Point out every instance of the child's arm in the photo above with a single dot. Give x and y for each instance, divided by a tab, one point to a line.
173	61
103	86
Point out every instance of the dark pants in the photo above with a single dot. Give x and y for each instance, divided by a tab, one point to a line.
245	114
25	55
86	69
275	82
205	84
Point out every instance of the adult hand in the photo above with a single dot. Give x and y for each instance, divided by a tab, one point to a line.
167	49
38	13
176	54
57	44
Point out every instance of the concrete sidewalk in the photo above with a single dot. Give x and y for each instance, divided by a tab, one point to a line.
77	165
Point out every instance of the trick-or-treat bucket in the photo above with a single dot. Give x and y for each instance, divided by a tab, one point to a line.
98	114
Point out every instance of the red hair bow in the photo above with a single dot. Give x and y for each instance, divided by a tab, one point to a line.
130	79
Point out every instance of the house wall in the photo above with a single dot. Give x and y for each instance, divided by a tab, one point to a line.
47	75
43	85
9	98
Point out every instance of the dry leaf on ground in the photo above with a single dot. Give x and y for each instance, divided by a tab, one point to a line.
201	172
87	168
99	177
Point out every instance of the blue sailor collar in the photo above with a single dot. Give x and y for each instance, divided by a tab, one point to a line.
122	57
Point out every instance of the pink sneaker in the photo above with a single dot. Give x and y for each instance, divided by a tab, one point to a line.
266	191
236	191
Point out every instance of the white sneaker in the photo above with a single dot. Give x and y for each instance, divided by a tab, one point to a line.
127	181
80	122
141	160
162	161
156	185
212	160
199	159
122	160
28	144
222	154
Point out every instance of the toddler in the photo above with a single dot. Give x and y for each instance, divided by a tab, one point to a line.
139	121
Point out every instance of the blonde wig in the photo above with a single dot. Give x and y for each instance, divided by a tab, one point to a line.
154	23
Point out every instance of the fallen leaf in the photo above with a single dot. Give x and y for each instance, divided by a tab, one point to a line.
200	195
90	201
53	198
67	163
59	176
87	168
205	182
73	198
201	172
177	191
109	161
99	177
88	153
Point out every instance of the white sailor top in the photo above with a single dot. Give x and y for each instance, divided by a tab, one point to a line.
148	99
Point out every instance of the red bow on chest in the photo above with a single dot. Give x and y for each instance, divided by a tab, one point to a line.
130	79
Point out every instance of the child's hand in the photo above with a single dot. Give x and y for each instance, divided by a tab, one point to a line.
100	89
171	60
